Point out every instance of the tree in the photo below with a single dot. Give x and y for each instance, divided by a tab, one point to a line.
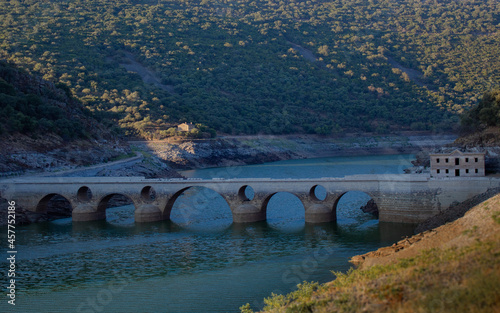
485	113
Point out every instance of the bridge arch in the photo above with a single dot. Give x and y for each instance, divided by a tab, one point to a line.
351	203
148	194
195	205
283	207
114	200
246	193
318	193
84	194
55	205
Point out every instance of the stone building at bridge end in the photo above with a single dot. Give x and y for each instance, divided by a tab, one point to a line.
457	163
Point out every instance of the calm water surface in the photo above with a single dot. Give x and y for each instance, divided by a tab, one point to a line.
199	261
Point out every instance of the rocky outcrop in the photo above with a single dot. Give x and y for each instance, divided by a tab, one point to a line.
148	168
487	137
20	154
370	207
214	153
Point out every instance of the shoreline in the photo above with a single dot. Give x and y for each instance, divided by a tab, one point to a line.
166	157
248	150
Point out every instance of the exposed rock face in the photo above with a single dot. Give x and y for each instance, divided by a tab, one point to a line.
370	207
20	153
488	137
149	168
421	164
214	153
487	140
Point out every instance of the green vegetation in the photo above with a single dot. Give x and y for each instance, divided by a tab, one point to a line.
496	217
262	66
276	302
485	114
29	105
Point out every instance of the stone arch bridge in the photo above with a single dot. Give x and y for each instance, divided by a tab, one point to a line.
400	198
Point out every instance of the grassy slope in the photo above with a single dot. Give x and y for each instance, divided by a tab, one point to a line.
453	268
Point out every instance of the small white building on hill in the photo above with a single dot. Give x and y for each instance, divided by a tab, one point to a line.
185	127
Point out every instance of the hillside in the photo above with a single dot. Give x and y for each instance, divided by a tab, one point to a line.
30	104
453	268
262	67
43	127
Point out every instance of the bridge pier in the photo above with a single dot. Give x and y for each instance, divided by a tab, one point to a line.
146	213
319	213
87	212
248	213
317	210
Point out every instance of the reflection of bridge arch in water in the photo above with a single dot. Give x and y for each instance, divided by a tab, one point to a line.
400	198
268	204
200	199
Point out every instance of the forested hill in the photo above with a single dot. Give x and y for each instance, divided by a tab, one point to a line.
33	106
243	66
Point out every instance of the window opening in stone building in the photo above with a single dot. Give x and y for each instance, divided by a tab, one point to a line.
457	161
457	172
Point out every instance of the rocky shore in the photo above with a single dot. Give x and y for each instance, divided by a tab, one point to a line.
49	155
242	150
21	154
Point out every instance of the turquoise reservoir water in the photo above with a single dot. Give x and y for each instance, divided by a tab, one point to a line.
199	261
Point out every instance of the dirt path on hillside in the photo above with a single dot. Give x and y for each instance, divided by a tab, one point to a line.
307	54
86	171
147	75
414	75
